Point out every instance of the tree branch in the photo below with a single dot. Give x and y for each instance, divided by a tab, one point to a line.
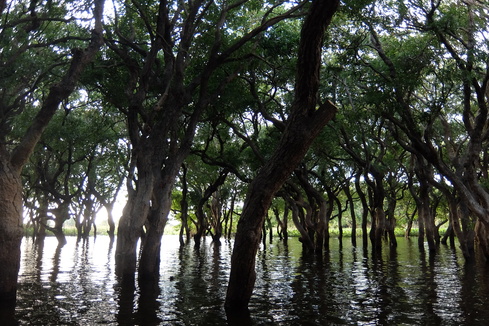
59	92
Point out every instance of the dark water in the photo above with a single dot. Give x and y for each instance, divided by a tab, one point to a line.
76	286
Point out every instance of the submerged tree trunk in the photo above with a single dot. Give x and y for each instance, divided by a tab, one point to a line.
42	219
378	227
184	208
202	221
149	264
307	243
482	237
390	213
216	218
365	210
304	124
351	203
132	220
110	221
10	236
320	210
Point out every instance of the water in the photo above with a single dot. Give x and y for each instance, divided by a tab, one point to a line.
75	285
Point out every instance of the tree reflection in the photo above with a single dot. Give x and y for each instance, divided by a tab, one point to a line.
56	261
149	306
125	291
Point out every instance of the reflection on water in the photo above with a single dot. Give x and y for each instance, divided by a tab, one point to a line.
75	285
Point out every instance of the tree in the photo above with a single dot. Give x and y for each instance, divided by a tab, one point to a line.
304	123
447	47
176	66
18	93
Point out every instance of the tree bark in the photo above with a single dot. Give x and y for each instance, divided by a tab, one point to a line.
11	232
304	124
132	220
149	263
482	237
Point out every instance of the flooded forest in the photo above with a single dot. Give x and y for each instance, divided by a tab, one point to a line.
244	162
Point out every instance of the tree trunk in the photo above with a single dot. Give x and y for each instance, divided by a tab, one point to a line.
42	219
304	238
425	214
322	228
410	219
216	217
379	228
61	214
229	219
365	209
201	225
319	224
449	234
351	204
184	208
430	228
304	124
391	219
421	226
11	232
202	222
132	221
149	263
110	220
468	226
377	196
285	232
454	216
482	237
271	177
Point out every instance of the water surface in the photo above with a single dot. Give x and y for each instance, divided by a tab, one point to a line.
75	285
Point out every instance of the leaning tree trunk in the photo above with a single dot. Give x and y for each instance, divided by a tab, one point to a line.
304	124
